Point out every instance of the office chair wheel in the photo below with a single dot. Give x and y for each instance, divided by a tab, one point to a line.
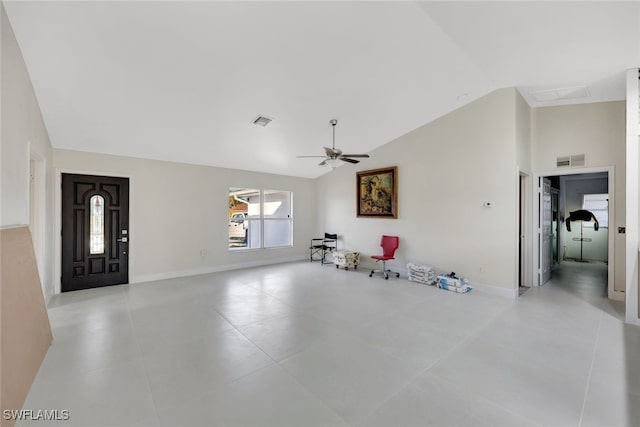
371	274
397	274
386	277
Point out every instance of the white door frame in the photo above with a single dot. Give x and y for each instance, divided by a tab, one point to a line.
610	170
37	211
57	239
523	215
542	276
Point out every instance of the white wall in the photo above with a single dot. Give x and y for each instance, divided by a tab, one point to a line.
523	133
447	169
632	107
177	210
23	133
597	130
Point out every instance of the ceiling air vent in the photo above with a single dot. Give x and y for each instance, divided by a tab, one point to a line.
262	121
560	94
573	161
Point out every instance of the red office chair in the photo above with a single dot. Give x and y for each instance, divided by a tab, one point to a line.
389	245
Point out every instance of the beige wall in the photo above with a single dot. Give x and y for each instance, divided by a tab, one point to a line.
25	331
23	135
523	133
447	170
597	130
22	126
177	210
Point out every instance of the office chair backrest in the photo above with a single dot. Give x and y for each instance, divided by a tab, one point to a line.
328	236
389	245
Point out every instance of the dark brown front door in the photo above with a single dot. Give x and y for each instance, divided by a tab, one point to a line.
95	231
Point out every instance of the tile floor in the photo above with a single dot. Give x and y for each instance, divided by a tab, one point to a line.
305	345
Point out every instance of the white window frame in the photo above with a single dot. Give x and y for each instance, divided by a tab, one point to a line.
262	220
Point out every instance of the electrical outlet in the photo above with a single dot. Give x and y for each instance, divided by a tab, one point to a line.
622	230
203	253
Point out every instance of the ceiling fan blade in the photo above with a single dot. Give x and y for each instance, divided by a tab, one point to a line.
348	160
322	163
302	157
366	156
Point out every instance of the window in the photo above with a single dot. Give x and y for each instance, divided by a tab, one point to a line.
598	205
259	219
277	218
96	225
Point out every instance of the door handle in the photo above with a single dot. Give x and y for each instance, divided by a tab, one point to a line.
123	240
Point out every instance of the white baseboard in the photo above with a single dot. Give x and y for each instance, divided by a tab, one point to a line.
491	290
211	269
495	290
617	296
487	289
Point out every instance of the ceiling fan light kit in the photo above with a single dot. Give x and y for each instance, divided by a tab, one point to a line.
333	163
333	156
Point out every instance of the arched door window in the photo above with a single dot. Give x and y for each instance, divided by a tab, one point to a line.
96	225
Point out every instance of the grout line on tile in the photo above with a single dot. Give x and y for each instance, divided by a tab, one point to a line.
137	340
310	392
497	405
593	358
463	341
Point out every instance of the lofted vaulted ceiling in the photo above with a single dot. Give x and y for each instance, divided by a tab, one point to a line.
183	81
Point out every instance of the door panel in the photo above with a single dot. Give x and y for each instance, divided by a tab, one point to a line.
95	231
547	234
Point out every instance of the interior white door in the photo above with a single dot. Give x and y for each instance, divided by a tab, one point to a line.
546	231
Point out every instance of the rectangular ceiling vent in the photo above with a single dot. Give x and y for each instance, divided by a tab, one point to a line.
560	94
573	161
262	121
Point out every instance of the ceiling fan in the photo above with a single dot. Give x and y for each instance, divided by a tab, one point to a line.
333	154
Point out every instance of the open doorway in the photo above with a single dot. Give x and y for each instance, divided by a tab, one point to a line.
523	283
555	222
574	237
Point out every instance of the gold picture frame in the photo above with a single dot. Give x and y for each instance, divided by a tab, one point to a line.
377	193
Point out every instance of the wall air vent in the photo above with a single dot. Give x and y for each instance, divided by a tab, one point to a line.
578	160
573	161
563	162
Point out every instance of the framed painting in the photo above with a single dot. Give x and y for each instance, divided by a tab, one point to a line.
377	193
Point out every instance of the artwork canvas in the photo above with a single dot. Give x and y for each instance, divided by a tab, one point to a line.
377	193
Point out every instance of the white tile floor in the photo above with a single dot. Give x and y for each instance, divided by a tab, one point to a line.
306	345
